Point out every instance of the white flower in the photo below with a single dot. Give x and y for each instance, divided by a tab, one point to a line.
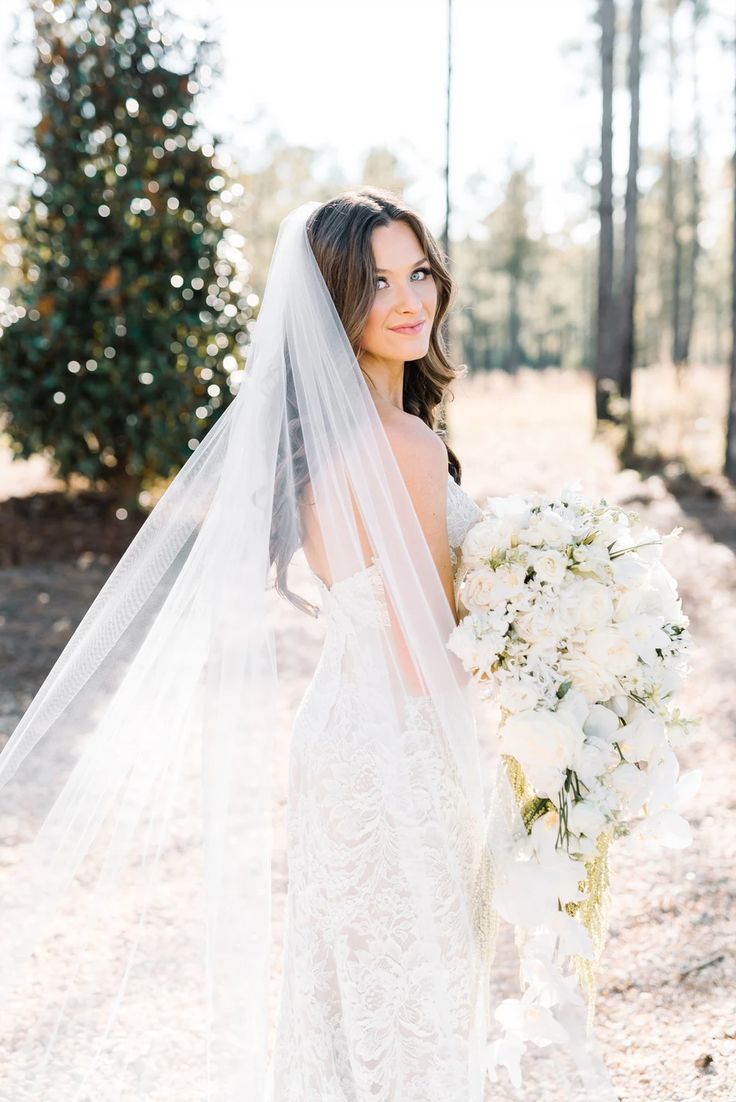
602	723
541	623
548	529
662	594
645	633
631	784
596	758
475	647
565	869
527	1020
517	692
486	588
646	535
550	566
485	537
575	703
478	589
630	573
591	560
586	603
505	1052
463	641
586	817
640	737
545	744
669	789
610	649
511	507
574	938
591	679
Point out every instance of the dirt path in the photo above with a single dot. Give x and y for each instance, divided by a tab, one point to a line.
666	1015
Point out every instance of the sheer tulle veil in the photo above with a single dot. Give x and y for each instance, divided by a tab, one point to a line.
142	791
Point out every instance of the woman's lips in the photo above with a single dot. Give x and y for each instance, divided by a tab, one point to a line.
408	329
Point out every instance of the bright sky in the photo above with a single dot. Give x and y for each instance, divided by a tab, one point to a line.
349	74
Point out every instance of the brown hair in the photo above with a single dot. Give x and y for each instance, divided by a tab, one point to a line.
339	232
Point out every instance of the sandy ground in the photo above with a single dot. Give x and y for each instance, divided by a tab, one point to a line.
667	1008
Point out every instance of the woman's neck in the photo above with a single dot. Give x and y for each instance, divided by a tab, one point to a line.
385	380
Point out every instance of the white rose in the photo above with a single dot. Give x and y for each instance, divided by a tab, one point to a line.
550	566
484	537
541	624
586	603
509	581
479	590
610	649
587	676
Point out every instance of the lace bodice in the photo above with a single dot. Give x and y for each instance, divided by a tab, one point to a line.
462	513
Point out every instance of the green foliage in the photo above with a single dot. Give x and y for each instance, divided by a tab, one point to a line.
133	311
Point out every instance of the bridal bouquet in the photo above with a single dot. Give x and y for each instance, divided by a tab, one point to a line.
572	625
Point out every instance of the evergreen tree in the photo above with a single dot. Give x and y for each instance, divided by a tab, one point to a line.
134	309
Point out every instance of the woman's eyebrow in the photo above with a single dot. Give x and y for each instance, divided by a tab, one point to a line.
422	260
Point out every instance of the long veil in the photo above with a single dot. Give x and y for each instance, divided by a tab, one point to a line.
142	793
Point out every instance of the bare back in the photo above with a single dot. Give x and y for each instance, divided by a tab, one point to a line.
422	459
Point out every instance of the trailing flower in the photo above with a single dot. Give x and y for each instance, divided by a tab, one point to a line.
573	626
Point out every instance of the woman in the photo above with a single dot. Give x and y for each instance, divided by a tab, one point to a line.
140	789
358	1018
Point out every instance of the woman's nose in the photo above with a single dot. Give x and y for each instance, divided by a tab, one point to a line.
408	299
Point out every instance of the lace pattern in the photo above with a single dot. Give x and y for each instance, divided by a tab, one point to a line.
367	1012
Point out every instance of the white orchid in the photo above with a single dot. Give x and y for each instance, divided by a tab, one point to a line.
572	625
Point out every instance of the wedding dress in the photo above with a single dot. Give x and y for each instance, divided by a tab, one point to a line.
378	1036
137	790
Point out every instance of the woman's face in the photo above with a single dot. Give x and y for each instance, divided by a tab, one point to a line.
405	295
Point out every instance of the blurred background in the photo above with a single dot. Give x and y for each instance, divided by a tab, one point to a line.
577	162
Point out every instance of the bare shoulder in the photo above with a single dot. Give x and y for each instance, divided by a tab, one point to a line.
419	451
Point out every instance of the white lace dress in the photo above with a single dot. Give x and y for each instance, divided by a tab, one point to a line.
358	1015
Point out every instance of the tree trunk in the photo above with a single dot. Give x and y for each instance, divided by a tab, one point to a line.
628	279
730	465
605	368
514	325
671	186
684	336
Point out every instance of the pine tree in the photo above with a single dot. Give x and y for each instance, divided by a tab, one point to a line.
135	312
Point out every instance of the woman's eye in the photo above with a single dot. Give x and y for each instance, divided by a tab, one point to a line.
426	271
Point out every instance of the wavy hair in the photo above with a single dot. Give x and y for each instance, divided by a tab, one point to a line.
339	232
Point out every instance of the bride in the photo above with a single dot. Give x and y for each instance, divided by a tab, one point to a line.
359	1017
140	842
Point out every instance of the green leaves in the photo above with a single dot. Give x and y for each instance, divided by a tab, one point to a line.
123	202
